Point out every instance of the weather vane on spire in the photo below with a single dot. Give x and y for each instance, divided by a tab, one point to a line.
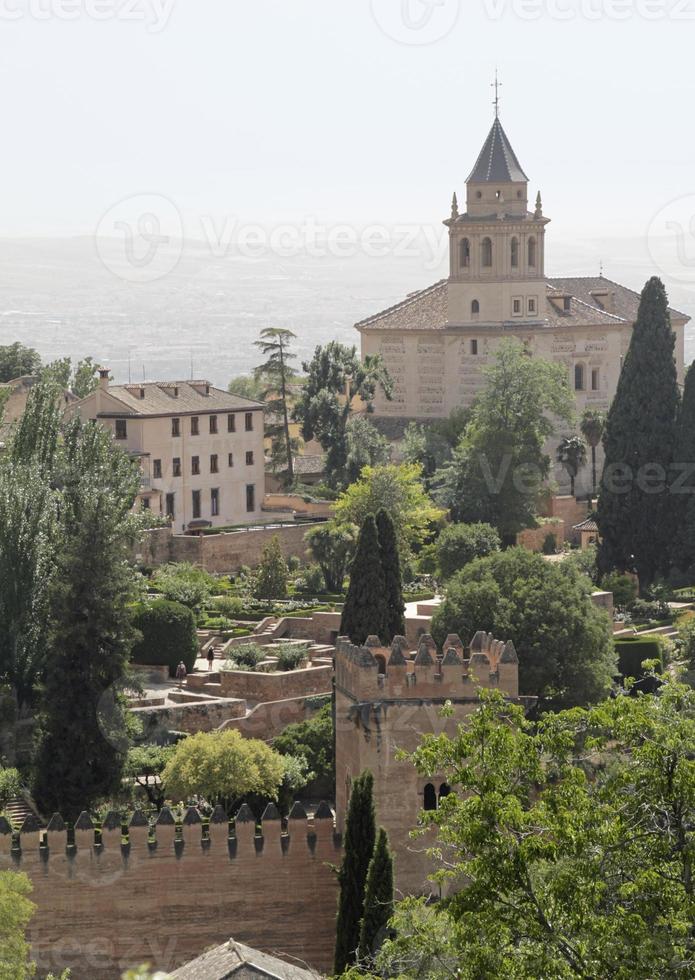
497	85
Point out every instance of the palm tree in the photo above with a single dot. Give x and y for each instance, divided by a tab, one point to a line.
571	453
591	427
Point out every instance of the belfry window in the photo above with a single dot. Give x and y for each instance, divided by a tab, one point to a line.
464	253
532	253
475	307
486	250
515	253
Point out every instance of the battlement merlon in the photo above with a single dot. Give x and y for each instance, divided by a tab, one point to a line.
376	672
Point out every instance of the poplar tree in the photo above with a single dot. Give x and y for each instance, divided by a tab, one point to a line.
365	611
378	898
634	506
391	567
683	483
360	834
82	742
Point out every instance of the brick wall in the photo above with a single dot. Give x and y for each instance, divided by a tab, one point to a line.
104	908
533	537
262	687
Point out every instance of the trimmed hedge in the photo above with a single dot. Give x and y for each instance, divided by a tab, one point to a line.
168	635
632	650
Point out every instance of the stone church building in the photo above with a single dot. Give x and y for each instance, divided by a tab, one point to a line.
436	342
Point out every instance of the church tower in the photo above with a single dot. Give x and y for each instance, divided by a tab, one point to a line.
497	248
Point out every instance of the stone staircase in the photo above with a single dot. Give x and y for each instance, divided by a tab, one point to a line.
17	810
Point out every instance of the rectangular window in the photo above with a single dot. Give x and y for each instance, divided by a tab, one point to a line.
474	347
170	508
214	502
213	425
213	464
121	429
595	379
195	426
579	377
249	459
195	465
157	469
516	307
196	504
176	427
249	422
567	304
145	503
230	459
250	498
231	423
532	305
176	466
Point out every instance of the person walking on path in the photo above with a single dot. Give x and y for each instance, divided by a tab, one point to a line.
211	658
181	673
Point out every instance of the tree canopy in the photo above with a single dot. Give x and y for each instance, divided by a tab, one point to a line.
16	361
277	373
499	467
16	910
332	546
460	544
563	641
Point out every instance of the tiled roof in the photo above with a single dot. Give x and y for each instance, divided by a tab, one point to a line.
233	959
305	465
427	309
178	398
588	525
497	162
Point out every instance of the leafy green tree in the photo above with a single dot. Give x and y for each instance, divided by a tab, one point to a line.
185	583
17	361
248	386
222	765
82	744
167	632
272	574
144	765
397	490
683	482
571	454
313	739
563	641
378	899
591	426
569	845
391	567
432	446
332	546
359	840
622	586
460	544
85	378
499	467
634	508
10	785
277	374
16	910
365	612
365	446
335	377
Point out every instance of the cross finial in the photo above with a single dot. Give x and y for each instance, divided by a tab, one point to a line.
497	85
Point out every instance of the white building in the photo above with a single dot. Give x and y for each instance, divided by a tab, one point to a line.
436	342
200	448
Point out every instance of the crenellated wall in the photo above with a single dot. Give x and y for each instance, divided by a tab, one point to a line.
165	894
386	699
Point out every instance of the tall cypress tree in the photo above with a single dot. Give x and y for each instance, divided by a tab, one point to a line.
360	833
378	898
391	567
364	612
83	742
633	512
683	483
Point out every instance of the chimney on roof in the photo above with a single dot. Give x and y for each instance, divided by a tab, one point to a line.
104	378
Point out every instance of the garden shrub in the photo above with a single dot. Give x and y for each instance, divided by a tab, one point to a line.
230	606
168	635
460	544
290	656
311	581
549	544
10	785
633	650
643	609
184	583
247	656
622	586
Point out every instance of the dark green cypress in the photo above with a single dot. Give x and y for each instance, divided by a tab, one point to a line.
683	482
634	510
364	612
391	567
360	833
378	899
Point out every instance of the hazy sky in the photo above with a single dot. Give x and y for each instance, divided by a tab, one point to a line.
360	112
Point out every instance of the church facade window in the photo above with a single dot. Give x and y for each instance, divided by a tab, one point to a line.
486	252
532	249
595	379
475	307
465	253
515	253
579	377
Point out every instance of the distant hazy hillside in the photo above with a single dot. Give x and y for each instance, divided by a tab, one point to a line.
59	296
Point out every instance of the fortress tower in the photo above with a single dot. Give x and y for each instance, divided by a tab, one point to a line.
386	700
